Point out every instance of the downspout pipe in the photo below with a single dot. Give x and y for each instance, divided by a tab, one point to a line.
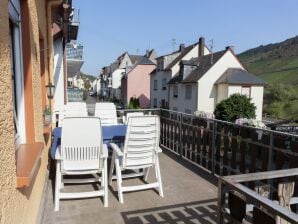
50	55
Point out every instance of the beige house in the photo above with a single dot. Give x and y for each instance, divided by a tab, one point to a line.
26	43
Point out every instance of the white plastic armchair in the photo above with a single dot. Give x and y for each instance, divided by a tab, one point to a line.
82	152
106	112
132	114
140	151
73	109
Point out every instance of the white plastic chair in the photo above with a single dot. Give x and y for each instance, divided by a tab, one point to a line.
73	109
131	114
82	152
106	112
140	151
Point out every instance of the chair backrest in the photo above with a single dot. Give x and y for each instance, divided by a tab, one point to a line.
73	109
132	114
81	144
141	141
106	112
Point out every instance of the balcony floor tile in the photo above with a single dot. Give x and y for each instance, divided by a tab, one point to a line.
190	197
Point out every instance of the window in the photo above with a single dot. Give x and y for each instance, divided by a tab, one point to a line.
160	65
187	111
155	103
164	84
188	92
175	109
17	71
245	90
175	91
155	85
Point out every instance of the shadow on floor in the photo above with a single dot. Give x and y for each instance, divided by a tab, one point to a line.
193	212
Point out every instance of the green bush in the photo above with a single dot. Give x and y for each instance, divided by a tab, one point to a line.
134	103
236	106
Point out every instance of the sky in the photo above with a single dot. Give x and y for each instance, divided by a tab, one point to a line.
110	27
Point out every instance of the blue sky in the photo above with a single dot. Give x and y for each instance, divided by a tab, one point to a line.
110	27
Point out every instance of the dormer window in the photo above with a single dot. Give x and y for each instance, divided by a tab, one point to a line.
160	65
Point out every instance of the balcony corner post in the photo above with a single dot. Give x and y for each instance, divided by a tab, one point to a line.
213	146
180	135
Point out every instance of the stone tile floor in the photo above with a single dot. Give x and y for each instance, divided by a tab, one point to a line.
190	197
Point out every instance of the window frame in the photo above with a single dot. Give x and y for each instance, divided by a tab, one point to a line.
15	34
155	83
164	84
155	103
175	91
188	94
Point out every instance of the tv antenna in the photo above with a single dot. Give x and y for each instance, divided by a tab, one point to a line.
174	44
211	49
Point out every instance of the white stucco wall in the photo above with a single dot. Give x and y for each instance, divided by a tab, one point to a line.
181	103
222	92
159	94
116	82
58	74
207	91
257	98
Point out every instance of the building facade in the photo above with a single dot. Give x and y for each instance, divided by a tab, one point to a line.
167	67
26	43
203	82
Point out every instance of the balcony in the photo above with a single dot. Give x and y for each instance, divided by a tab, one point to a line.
73	24
197	154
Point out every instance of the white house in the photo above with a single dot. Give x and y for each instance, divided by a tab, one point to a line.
167	67
204	81
96	86
122	65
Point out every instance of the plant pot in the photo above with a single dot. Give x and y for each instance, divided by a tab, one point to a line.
47	118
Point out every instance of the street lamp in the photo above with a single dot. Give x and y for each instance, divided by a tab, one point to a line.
50	90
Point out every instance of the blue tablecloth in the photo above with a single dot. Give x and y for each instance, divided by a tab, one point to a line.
109	133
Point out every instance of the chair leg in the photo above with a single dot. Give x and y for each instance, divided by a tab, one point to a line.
146	173
111	168
57	186
104	180
157	171
62	183
119	180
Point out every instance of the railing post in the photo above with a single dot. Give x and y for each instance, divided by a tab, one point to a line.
180	135
270	154
213	146
220	201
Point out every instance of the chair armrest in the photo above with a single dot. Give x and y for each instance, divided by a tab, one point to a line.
158	150
105	152
58	153
116	149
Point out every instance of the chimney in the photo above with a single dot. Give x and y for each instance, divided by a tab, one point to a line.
147	53
181	47
232	48
201	46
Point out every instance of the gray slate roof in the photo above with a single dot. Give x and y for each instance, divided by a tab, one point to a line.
237	76
204	64
180	56
141	60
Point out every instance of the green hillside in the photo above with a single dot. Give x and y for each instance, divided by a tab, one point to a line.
277	64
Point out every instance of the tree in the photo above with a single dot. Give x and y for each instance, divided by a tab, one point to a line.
236	106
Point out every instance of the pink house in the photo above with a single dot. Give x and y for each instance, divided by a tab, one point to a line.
136	81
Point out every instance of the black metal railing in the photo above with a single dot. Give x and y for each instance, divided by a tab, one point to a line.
225	148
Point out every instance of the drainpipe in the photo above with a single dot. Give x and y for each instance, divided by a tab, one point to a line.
50	55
